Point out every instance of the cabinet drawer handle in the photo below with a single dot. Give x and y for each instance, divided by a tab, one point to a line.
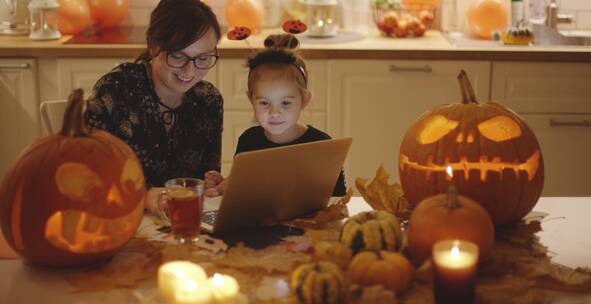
18	66
584	123
425	69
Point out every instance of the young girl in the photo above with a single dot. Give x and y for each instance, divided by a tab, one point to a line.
278	92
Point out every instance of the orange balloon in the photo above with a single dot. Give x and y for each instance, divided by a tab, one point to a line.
108	13
74	16
248	13
487	16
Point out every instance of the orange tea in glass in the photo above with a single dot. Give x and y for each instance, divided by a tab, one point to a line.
181	203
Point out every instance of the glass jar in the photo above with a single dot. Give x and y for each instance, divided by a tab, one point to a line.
44	14
321	17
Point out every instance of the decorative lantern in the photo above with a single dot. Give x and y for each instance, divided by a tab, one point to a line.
321	17
495	157
72	198
44	16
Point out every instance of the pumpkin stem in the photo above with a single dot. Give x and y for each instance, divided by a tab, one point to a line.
452	197
73	124
466	88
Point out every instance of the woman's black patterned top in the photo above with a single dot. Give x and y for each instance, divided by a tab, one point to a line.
124	103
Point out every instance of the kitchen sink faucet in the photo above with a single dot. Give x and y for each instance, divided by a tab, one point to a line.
553	17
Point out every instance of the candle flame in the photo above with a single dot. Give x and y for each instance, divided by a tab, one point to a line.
455	252
450	171
218	279
181	274
190	284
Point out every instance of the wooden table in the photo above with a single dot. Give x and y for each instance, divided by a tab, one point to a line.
565	232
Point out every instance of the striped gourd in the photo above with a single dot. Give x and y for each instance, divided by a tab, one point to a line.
375	230
319	283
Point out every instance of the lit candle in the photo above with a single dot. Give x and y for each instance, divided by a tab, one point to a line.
182	276
450	173
193	292
224	288
455	264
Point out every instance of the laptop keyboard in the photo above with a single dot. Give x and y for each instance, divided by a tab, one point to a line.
209	216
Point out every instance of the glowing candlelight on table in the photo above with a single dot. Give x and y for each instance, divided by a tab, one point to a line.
224	288
193	292
183	282
455	264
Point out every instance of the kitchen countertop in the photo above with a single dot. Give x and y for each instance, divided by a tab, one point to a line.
433	45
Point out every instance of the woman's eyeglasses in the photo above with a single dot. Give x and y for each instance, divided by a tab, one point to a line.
201	62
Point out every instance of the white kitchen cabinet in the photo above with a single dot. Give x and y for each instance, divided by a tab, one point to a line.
376	101
553	98
542	87
238	114
19	104
565	141
61	76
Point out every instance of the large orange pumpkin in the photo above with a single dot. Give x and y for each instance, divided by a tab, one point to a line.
72	198
448	216
495	156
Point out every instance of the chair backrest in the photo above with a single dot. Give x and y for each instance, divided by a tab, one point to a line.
52	114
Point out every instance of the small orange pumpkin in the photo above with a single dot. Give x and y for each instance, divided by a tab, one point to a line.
378	267
72	198
448	216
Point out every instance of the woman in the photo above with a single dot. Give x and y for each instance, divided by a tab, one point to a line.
159	104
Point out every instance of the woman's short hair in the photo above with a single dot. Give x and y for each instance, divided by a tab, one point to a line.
176	24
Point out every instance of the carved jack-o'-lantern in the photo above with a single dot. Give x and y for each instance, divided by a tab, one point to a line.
495	157
72	198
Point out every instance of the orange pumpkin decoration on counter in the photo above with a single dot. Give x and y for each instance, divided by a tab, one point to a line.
448	216
495	157
389	269
72	198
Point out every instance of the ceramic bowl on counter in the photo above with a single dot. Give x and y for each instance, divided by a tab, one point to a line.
394	20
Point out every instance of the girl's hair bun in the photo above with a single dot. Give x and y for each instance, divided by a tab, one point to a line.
278	41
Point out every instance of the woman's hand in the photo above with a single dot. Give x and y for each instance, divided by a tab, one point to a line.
214	184
152	199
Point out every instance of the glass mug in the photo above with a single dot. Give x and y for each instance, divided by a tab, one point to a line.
181	204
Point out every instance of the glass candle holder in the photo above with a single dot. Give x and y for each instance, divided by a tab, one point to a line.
321	17
44	14
455	265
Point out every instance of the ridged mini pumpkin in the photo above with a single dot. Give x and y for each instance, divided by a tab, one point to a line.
378	267
374	230
72	198
495	157
335	252
319	283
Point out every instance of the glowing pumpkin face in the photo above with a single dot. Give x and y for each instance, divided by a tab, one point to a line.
495	158
72	198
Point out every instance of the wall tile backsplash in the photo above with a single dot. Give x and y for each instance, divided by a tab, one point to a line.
580	9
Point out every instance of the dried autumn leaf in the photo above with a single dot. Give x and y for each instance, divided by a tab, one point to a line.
335	211
139	261
270	259
382	196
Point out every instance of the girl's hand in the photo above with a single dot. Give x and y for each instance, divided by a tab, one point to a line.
212	179
214	184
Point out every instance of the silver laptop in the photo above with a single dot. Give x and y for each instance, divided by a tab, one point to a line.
272	185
